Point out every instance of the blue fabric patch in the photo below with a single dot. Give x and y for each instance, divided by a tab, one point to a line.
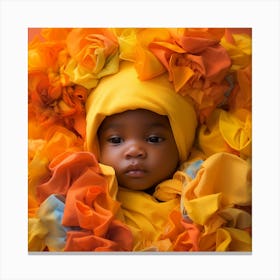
192	169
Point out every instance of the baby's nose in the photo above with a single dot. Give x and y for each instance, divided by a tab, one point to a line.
135	150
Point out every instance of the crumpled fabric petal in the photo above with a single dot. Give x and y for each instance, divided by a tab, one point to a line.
226	131
47	226
218	198
36	235
239	48
231	239
145	216
88	205
117	238
94	54
169	189
236	217
183	235
202	208
236	130
222	173
50	214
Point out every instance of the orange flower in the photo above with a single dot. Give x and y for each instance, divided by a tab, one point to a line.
183	235
55	34
52	98
54	140
49	54
194	54
194	40
134	46
94	54
50	103
118	238
197	65
88	204
146	63
45	55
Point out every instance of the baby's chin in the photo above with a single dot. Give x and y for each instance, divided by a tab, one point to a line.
135	187
138	186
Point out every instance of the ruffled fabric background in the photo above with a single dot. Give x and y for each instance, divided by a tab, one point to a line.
67	211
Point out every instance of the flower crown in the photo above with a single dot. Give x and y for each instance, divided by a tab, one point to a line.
212	66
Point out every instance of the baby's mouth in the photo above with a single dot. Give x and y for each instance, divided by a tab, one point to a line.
135	172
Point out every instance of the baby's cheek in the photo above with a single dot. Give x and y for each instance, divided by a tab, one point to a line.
110	157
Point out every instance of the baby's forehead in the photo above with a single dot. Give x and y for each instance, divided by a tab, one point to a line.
137	117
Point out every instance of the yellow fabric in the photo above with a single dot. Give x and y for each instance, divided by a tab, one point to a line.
210	139
224	174
236	129
227	132
168	190
239	50
232	239
145	216
200	209
236	218
37	233
112	181
214	199
124	91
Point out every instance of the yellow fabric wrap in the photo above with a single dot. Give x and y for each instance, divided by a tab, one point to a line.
142	213
145	216
124	91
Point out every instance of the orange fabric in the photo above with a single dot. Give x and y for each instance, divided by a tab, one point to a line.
241	96
57	139
66	168
197	65
88	205
53	99
118	239
183	235
146	64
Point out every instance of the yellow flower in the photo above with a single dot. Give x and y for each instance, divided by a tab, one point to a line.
239	48
127	39
94	54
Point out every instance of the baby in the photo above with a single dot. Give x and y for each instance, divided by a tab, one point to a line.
143	131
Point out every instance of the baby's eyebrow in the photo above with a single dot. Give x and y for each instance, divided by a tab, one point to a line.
118	125
109	126
158	124
112	125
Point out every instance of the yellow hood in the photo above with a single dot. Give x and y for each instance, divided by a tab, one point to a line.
124	91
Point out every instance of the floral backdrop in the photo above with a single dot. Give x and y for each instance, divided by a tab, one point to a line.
212	66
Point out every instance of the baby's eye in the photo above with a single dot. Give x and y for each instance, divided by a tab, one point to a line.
155	139
115	140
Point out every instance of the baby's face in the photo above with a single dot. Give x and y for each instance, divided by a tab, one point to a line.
140	146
